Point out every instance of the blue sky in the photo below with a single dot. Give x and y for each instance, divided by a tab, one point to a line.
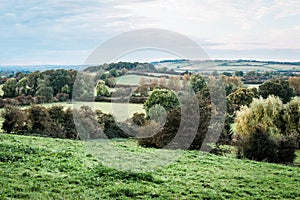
67	31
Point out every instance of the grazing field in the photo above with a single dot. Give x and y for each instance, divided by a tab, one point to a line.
132	80
46	168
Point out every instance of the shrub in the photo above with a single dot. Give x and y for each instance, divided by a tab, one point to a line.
266	132
260	145
61	97
109	125
39	99
14	120
86	123
139	119
155	136
24	100
267	112
39	120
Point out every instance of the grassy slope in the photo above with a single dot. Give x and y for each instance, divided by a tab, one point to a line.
43	168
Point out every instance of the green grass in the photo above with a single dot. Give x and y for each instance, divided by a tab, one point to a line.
132	80
45	168
297	160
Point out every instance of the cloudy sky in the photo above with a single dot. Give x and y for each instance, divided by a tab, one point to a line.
67	31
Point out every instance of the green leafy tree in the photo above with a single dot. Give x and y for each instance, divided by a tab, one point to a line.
261	134
163	97
44	90
242	97
102	90
10	88
198	83
277	87
22	87
267	112
292	117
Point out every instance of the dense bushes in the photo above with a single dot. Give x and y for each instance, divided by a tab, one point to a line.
58	122
268	130
260	145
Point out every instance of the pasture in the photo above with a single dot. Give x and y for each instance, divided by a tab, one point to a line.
46	168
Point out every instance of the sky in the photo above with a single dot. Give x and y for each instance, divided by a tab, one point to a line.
34	32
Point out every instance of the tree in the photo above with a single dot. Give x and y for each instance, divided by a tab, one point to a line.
83	88
174	83
102	89
44	90
185	80
10	88
110	82
242	97
266	112
261	134
277	87
295	83
14	120
198	83
22	87
163	97
292	117
239	73
162	82
113	72
231	83
39	120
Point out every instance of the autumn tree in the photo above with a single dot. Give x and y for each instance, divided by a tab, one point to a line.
295	83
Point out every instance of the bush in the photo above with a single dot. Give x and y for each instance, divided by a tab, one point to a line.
139	119
61	97
260	145
159	138
14	120
109	125
39	120
24	100
39	99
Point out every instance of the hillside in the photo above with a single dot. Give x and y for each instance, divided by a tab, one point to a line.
45	168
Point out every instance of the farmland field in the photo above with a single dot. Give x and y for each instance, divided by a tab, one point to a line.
46	168
225	65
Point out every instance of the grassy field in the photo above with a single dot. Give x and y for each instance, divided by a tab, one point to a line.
45	168
132	80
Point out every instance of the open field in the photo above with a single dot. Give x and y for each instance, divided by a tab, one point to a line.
225	65
46	168
132	80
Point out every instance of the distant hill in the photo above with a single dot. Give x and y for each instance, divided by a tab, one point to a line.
148	67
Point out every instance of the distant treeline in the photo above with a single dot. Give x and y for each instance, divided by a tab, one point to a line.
123	65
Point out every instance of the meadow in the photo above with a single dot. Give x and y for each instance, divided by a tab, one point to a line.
46	168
